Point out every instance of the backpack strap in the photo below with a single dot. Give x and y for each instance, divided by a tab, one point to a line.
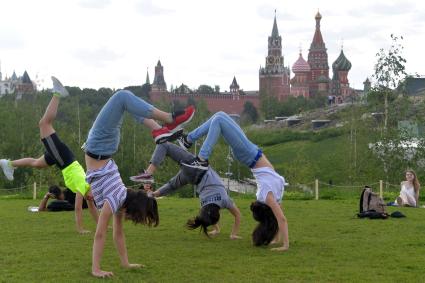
361	201
369	197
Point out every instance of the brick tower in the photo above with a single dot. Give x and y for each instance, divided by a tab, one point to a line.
159	84
340	85
318	61
300	83
274	77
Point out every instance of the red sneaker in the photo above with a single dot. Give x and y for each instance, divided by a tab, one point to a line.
181	119
164	134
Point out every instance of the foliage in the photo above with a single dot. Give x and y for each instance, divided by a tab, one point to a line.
272	107
205	89
249	114
324	236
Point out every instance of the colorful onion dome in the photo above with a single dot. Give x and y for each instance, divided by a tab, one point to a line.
341	63
301	65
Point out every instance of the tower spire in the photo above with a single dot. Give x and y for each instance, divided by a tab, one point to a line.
148	81
275	31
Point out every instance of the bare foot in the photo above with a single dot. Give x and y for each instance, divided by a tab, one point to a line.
83	231
102	274
213	233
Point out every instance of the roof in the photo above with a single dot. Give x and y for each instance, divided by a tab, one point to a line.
415	86
26	78
341	63
301	65
275	31
234	83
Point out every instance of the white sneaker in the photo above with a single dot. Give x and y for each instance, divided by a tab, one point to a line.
7	169
59	88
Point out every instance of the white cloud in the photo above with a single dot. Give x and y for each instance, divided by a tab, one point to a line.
94	4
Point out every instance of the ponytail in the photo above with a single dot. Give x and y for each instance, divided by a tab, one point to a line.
208	215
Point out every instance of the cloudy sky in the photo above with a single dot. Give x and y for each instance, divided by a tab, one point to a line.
111	43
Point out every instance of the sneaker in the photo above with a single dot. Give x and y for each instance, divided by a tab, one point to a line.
143	177
165	135
196	163
183	142
7	169
59	88
181	118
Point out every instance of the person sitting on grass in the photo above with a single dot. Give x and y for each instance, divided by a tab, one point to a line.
63	200
57	153
409	193
109	191
210	188
270	185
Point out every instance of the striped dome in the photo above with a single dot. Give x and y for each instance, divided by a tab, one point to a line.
341	63
301	65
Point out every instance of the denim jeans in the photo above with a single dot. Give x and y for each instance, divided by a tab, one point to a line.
104	136
221	124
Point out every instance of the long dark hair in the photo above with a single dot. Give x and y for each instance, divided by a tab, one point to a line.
208	215
55	190
140	208
267	227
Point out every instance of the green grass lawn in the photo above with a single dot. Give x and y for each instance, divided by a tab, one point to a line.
327	243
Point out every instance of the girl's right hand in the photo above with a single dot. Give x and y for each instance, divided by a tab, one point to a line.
102	274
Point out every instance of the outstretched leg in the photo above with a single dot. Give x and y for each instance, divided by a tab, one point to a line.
221	124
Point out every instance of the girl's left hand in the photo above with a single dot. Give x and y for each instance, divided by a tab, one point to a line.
134	265
213	233
280	249
235	237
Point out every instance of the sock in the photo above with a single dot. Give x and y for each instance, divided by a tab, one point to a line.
201	159
174	114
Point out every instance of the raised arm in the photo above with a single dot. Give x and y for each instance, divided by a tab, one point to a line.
99	241
281	220
234	210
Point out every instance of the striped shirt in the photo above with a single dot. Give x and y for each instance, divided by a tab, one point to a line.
106	185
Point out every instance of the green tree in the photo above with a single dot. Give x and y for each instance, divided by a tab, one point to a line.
205	89
249	113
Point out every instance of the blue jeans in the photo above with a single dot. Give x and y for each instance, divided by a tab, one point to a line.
221	124
104	136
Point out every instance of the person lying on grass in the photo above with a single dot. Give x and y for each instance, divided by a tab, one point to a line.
210	188
57	153
270	185
63	200
109	191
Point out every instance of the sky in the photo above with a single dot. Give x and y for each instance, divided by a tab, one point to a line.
112	43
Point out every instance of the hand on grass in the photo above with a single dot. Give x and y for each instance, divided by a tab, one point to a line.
133	265
280	249
213	233
82	231
102	274
235	237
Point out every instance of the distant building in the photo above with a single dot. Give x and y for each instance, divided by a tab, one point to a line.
19	85
311	77
415	86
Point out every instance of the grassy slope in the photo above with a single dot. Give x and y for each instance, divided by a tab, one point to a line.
327	244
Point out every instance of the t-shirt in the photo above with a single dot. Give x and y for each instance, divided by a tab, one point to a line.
60	205
268	181
211	190
106	185
75	178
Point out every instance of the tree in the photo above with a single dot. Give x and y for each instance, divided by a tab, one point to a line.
249	113
389	72
217	88
205	89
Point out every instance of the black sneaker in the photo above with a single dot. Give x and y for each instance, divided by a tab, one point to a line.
183	142
196	163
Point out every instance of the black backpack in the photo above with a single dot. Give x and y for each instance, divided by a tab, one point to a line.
371	205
